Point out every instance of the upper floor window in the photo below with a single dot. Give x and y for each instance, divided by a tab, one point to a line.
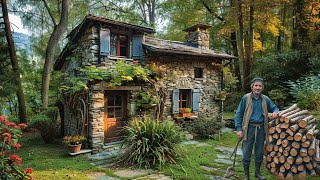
198	72
119	45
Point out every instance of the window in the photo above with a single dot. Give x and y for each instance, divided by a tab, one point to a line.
198	72
119	45
185	98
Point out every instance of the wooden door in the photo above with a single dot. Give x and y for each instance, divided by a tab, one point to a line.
115	115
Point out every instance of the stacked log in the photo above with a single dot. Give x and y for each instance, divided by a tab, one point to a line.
292	148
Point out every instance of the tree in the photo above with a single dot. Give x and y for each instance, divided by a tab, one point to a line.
57	33
14	63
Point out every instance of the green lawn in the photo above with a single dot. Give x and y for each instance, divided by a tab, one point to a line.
52	161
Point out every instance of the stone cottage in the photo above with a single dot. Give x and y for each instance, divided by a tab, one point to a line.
190	77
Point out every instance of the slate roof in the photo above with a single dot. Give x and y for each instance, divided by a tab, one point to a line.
175	47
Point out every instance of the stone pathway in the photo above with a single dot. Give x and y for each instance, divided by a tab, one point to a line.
104	160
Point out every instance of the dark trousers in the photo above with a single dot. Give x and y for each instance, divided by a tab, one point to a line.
255	138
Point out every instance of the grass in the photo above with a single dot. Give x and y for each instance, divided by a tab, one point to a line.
52	161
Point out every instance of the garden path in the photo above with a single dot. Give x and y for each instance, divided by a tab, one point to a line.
104	160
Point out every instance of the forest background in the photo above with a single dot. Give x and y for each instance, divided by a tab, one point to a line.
278	40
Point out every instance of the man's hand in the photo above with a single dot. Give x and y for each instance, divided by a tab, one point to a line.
240	134
272	115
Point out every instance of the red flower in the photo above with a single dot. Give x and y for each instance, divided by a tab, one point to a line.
134	62
28	170
6	137
2	119
22	125
17	146
10	124
15	159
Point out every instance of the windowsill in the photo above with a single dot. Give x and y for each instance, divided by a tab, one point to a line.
120	58
199	79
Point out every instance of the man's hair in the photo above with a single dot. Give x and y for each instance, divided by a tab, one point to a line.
256	79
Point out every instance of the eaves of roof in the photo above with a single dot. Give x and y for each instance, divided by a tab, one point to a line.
165	46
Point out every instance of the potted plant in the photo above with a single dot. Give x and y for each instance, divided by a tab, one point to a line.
74	142
146	99
185	112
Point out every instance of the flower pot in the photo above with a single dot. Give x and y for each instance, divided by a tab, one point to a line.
185	115
74	148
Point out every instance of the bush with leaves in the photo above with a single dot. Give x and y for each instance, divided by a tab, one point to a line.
9	135
306	92
151	142
206	127
45	125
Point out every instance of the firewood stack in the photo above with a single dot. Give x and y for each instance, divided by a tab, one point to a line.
293	148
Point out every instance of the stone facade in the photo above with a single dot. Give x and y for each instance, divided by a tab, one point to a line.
198	39
177	72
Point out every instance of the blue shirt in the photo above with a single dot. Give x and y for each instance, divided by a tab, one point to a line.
257	112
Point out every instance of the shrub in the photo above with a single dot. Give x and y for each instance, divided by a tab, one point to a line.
8	140
206	127
306	92
150	142
45	125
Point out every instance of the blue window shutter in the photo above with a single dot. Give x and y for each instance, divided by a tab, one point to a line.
137	46
175	101
195	100
104	42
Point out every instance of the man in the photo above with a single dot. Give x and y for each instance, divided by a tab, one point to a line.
251	122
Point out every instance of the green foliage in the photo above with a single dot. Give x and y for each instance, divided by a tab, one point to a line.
150	142
306	92
278	96
230	81
45	125
122	72
9	136
206	127
147	96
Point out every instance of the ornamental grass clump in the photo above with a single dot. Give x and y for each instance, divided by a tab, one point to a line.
151	142
9	135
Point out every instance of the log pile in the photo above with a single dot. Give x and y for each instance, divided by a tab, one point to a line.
292	148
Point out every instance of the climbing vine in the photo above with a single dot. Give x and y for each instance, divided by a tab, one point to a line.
122	72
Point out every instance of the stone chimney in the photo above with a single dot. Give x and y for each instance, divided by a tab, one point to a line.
198	36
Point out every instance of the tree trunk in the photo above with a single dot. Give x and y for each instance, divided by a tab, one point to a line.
14	63
249	61
233	36
52	44
241	45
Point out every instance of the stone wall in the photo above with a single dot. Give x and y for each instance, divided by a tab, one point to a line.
198	39
178	73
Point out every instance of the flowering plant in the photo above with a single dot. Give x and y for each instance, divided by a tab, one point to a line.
9	134
73	140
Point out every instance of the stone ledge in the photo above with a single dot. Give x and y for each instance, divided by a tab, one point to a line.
82	151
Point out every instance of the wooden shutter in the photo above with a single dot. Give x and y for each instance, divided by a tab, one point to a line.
175	101
137	46
104	42
195	100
